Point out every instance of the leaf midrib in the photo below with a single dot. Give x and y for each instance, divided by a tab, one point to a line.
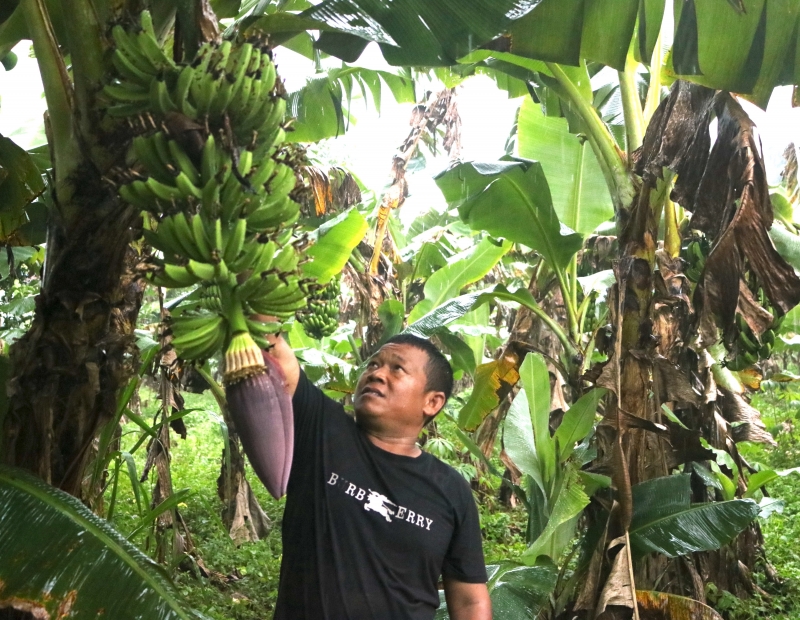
68	511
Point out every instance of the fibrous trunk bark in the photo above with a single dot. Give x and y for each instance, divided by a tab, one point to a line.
68	368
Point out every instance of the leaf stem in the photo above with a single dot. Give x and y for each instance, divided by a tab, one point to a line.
573	297
57	92
631	105
534	307
86	46
654	88
605	148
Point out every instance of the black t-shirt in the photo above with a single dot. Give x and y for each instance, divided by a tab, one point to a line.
367	533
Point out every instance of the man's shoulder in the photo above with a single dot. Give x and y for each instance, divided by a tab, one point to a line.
447	477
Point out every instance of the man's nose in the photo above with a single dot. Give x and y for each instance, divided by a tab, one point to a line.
377	374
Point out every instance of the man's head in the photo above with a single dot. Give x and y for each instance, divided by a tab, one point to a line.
406	383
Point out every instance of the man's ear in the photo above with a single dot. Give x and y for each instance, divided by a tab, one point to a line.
434	402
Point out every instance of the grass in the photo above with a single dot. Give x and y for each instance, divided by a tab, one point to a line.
779	410
244	580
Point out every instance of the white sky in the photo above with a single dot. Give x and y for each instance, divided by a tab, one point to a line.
367	148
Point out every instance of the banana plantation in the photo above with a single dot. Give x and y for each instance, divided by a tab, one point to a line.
615	290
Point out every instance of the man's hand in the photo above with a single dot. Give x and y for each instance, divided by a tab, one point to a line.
467	601
284	355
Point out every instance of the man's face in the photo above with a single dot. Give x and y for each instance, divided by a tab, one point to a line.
391	395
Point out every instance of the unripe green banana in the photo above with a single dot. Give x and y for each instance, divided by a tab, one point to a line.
209	164
184	162
187	189
180	274
147	154
160	100
200	239
235	243
164	192
129	71
185	236
203	271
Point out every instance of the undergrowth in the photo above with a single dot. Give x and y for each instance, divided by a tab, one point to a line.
243	580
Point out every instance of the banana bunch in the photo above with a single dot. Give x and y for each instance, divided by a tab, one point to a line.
141	63
321	316
226	83
748	349
695	256
219	207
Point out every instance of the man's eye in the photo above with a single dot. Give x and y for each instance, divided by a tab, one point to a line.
398	367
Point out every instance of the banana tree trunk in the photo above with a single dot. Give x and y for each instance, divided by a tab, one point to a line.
78	352
68	368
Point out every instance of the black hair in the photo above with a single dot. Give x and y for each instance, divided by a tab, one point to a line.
437	370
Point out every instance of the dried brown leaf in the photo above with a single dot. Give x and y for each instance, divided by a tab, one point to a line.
617	590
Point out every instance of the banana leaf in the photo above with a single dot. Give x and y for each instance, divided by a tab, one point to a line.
20	184
536	385
787	244
442	315
446	283
489	379
577	423
765	476
321	107
577	185
518	592
520	186
559	529
414	32
744	51
335	242
665	521
61	558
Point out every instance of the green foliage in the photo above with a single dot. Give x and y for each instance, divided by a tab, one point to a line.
448	281
322	107
334	244
556	495
528	214
577	185
665	521
105	574
20	184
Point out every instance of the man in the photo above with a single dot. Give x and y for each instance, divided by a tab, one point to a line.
371	521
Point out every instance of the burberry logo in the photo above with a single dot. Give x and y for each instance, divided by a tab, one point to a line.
380	504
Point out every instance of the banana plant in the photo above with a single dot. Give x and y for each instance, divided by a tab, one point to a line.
57	557
557	490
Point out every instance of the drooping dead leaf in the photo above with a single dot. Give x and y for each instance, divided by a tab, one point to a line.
674	384
664	606
333	191
727	192
745	420
757	319
617	590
